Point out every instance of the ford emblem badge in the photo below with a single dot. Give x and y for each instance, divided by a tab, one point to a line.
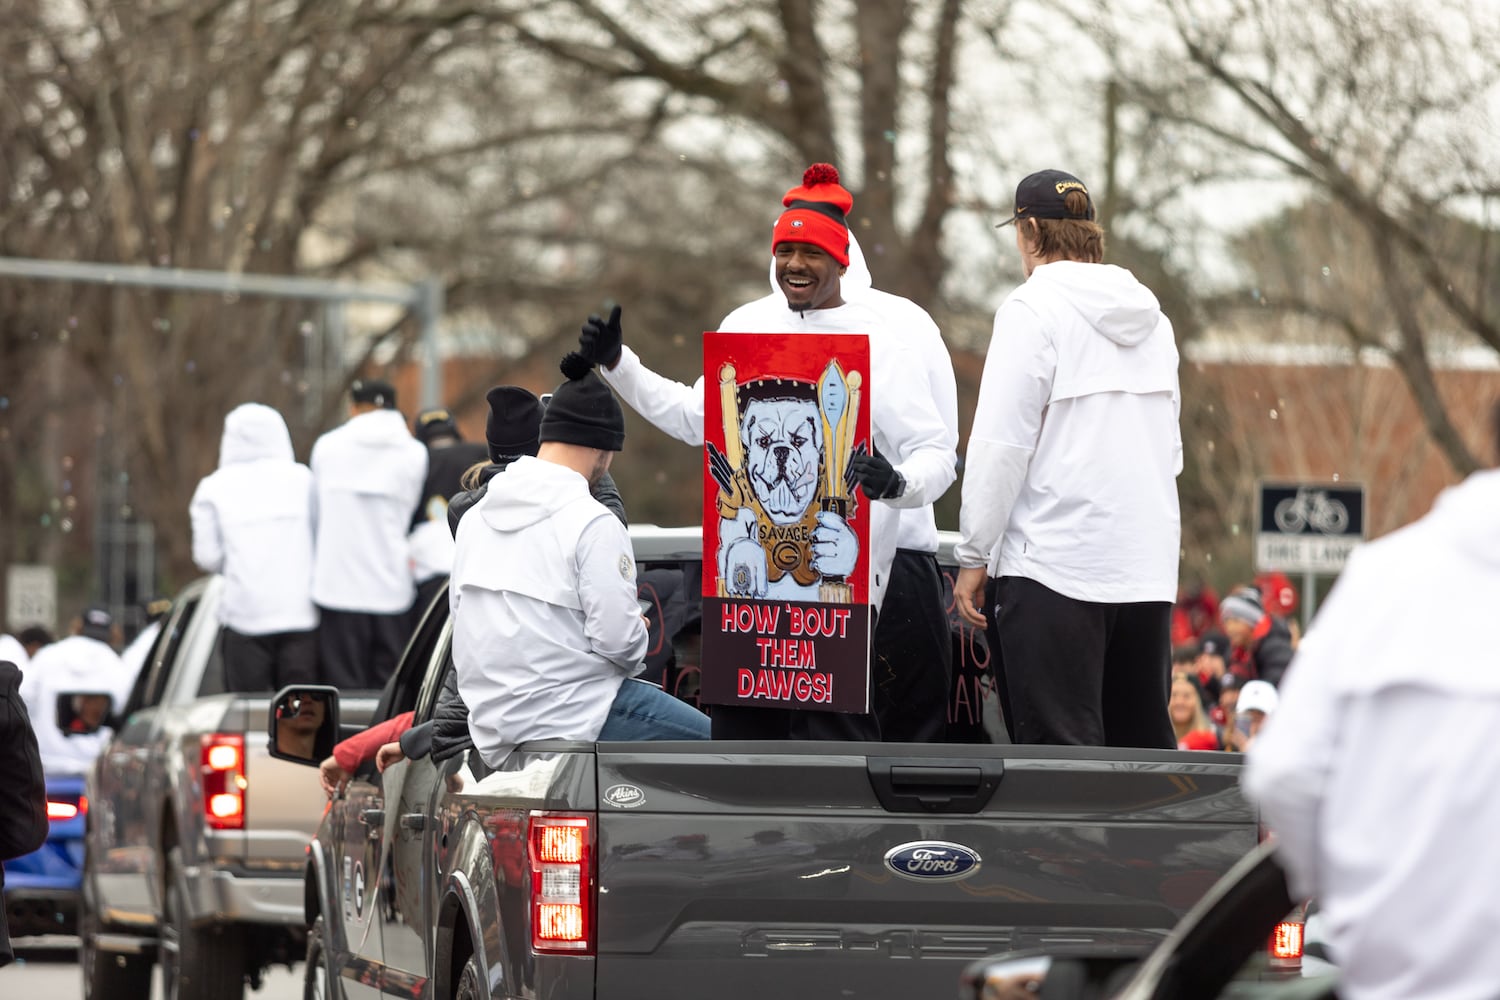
624	796
932	861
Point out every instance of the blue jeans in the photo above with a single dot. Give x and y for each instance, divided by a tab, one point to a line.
644	711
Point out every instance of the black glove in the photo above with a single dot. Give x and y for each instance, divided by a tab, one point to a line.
600	340
876	476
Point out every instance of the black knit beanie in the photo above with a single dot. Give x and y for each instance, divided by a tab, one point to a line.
511	428
583	411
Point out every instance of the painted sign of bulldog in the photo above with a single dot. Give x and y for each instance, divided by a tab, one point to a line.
786	534
784	500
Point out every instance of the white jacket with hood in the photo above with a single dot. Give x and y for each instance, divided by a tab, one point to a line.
252	522
910	322
1378	770
905	423
77	664
546	626
369	474
1071	474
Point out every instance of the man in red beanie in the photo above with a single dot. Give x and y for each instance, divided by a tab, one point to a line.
914	450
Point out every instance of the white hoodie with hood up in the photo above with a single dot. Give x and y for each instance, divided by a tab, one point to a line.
905	423
546	626
252	522
77	664
1377	772
1071	474
369	474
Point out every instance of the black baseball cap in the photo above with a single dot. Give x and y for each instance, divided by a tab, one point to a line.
435	424
374	391
97	622
1043	195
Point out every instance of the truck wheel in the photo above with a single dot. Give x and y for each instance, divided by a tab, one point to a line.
318	979
107	974
469	982
197	963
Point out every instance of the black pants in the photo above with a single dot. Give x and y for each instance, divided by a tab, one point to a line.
268	662
1079	672
912	655
359	651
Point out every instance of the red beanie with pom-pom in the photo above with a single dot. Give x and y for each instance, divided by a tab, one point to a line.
816	212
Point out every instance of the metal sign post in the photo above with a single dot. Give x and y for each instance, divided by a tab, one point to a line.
1309	528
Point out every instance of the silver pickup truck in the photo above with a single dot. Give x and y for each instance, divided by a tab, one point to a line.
743	870
196	837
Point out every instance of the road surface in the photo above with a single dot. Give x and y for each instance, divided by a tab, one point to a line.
48	968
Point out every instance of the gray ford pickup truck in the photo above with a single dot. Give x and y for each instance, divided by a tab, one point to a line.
744	870
196	836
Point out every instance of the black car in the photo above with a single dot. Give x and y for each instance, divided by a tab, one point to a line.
1244	939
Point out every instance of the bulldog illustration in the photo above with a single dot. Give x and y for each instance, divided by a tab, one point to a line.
776	540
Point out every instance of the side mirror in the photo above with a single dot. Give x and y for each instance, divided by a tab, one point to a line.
303	724
80	713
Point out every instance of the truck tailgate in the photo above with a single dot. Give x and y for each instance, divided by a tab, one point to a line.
910	861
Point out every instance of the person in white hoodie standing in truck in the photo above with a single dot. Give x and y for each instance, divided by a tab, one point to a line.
368	474
914	451
1070	524
547	633
252	523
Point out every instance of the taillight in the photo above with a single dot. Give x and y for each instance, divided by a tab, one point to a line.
223	763
562	884
1285	946
61	810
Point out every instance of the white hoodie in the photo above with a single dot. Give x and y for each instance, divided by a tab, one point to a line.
252	522
546	626
1378	771
1071	473
12	650
75	665
369	474
910	322
905	423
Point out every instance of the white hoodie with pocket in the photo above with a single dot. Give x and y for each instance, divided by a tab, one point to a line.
252	522
1071	474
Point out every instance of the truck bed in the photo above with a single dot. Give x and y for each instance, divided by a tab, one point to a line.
864	870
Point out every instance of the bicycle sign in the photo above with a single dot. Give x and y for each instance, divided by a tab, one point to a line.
1308	527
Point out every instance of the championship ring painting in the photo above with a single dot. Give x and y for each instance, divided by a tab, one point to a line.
786	595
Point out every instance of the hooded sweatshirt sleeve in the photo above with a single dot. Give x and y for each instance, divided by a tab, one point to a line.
1013	394
606	588
208	543
925	446
1289	765
672	407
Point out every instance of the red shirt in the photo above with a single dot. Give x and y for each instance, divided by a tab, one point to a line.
358	749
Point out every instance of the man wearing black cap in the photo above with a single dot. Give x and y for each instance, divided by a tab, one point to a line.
547	632
1070	512
512	430
368	475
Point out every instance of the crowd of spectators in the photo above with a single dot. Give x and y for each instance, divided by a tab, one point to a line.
1229	656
